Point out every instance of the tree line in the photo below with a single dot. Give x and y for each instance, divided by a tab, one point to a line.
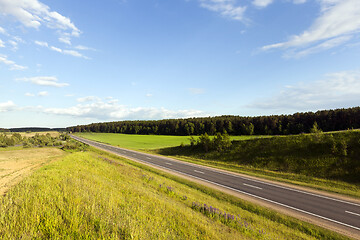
326	120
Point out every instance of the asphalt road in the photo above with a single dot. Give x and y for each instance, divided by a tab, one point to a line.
339	212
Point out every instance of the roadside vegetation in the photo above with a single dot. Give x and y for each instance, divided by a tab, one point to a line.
90	194
324	161
328	161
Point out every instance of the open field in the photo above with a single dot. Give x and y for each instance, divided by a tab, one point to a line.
143	142
31	134
263	157
15	164
96	195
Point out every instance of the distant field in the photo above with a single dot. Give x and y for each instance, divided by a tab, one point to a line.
31	134
133	141
15	164
95	195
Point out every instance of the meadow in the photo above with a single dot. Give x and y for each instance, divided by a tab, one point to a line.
147	142
95	195
324	161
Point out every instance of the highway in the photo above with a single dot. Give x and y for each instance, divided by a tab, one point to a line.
341	213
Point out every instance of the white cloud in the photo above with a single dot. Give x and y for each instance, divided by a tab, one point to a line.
43	94
299	1
33	14
149	95
320	47
42	44
338	21
88	99
73	53
227	8
14	45
335	90
7	106
29	94
262	3
2	31
56	49
44	81
2	43
11	64
65	39
111	110
81	47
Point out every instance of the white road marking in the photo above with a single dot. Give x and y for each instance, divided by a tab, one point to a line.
198	171
357	214
252	186
168	163
148	157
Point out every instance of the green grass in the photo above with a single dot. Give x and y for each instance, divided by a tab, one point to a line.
328	161
305	160
145	142
93	195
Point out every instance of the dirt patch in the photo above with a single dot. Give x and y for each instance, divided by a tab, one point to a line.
16	164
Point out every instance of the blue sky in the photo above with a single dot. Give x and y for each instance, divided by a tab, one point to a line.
64	63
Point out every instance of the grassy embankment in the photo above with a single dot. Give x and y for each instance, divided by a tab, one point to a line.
89	195
326	161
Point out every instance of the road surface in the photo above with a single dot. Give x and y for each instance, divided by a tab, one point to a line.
343	214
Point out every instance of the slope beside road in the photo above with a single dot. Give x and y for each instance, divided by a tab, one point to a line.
337	214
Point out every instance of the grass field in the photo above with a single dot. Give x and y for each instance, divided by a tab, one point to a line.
31	134
145	142
15	163
94	195
263	151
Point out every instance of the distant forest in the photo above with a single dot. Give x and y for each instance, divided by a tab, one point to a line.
32	129
327	120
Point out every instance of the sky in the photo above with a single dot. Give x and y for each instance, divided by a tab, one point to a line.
66	62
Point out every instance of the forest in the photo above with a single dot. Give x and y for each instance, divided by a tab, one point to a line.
325	120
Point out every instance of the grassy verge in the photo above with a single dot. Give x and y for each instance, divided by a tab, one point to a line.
89	195
327	162
133	141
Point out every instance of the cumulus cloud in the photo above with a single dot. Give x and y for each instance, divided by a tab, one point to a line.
339	20
2	43
33	14
335	90
227	8
11	64
112	110
7	106
43	81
